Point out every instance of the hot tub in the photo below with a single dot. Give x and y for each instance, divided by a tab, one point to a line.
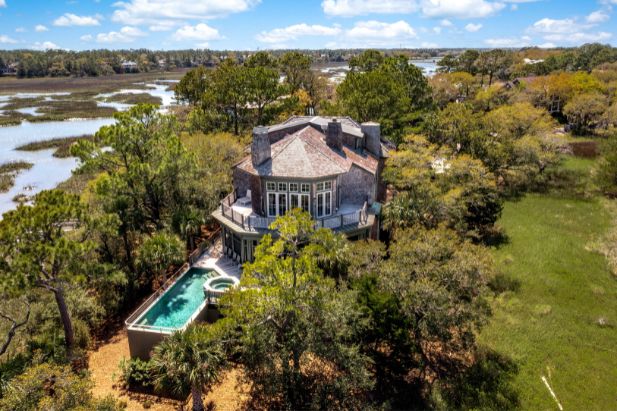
217	286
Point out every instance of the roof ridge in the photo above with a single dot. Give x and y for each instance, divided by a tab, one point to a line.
319	148
284	144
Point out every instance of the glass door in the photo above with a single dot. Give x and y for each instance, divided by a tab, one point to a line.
324	204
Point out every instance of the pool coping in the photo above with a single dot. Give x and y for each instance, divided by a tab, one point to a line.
161	329
209	264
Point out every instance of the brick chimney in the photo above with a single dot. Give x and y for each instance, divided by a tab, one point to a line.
334	134
260	148
372	137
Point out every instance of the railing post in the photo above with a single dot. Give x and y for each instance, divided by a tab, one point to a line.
341	220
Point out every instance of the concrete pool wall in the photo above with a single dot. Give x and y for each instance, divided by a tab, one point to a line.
143	340
143	337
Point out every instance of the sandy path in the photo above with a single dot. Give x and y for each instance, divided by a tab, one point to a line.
104	370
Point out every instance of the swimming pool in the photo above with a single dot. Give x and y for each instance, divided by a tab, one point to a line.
178	304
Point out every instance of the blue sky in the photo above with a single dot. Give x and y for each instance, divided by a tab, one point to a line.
269	24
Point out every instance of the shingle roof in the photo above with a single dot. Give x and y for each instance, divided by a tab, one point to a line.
305	154
349	125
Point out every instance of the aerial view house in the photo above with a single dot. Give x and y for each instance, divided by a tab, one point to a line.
329	166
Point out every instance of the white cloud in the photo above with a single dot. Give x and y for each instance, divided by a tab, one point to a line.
437	30
155	11
509	42
473	27
463	9
2	3
46	45
20	30
40	28
127	34
578	37
569	31
446	23
201	32
281	35
4	39
597	17
163	25
547	25
86	37
348	8
69	19
380	30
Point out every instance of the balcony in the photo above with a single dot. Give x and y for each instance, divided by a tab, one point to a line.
237	211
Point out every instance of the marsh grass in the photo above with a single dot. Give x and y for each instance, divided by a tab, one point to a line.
55	110
15	167
131	98
8	171
554	322
62	145
96	85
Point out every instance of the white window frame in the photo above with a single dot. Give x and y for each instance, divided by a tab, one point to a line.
325	197
300	198
305	188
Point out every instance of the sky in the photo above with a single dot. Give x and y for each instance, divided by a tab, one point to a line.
305	24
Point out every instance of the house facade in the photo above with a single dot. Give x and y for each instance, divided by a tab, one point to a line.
329	166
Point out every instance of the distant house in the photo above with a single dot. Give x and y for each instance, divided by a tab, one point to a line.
328	166
129	66
9	70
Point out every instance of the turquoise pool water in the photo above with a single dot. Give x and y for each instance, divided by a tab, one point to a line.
180	301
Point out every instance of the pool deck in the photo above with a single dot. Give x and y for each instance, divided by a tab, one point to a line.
143	338
214	259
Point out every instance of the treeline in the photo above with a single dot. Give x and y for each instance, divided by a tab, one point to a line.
61	63
318	322
510	64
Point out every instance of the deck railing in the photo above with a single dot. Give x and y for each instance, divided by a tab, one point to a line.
253	223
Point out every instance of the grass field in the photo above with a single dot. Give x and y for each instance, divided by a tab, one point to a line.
561	322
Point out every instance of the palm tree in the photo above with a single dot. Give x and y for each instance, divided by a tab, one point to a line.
189	360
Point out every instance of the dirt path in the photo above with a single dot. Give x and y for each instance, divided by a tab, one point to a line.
104	371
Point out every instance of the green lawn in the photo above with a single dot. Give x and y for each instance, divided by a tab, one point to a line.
549	325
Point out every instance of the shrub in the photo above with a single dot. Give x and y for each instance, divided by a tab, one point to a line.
136	374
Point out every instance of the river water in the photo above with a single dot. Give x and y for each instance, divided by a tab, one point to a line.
48	171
